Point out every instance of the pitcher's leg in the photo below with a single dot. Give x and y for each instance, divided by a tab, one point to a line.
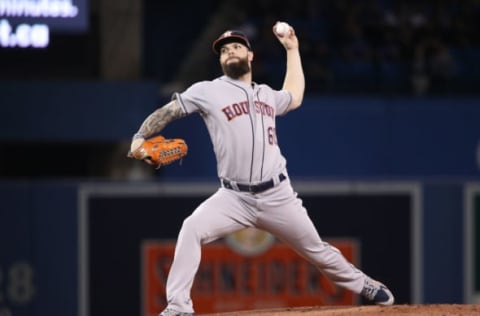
185	264
300	234
284	216
219	215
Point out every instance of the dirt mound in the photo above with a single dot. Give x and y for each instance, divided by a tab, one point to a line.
404	310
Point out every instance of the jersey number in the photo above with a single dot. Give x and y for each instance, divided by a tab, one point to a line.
272	136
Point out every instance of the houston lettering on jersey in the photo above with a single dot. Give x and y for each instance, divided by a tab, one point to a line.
237	109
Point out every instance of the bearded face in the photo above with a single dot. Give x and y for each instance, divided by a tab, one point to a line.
236	67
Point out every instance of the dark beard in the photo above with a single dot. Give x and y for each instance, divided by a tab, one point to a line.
236	69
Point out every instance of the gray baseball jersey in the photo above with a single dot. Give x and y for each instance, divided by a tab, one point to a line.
229	106
241	121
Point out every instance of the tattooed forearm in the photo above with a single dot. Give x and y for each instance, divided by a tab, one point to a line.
157	121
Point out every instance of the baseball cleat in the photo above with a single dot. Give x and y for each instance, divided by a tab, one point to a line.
377	292
171	312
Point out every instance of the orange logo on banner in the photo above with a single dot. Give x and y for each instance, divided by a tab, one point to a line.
229	281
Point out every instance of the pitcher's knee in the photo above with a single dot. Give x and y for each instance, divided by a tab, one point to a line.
192	228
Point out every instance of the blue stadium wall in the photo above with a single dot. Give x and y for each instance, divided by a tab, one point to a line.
430	141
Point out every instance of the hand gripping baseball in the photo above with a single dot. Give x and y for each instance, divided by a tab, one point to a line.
158	151
286	35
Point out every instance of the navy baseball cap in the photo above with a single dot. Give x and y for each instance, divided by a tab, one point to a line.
230	37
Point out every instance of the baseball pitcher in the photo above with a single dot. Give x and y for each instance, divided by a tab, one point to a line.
254	186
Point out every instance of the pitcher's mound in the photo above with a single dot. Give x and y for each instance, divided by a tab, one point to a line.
394	310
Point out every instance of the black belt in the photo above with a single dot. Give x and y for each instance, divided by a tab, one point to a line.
252	188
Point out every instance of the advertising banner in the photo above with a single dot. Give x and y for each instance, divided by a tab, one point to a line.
248	271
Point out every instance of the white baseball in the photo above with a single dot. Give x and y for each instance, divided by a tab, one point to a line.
282	28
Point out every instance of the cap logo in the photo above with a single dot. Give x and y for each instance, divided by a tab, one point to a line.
230	36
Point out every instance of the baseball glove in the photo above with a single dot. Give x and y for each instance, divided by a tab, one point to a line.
160	151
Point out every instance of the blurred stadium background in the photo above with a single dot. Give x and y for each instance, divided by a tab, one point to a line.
389	130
